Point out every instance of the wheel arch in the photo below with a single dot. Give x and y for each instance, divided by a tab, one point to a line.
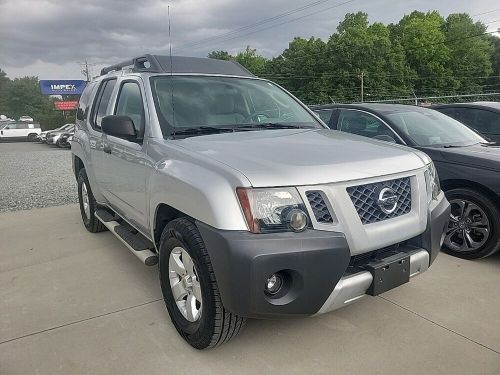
164	214
458	184
77	165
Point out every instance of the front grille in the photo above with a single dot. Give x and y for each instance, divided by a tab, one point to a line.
365	199
319	207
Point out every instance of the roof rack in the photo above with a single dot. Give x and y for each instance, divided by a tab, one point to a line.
180	64
146	63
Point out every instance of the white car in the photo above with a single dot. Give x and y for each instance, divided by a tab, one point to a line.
26	118
19	131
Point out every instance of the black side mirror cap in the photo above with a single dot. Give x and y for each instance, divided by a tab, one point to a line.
119	126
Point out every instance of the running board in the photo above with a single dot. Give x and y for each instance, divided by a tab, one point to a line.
135	242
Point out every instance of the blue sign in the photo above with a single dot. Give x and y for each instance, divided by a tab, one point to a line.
62	87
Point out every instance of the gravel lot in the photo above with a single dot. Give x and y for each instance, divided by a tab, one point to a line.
47	178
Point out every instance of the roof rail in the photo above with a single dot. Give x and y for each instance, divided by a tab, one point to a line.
146	63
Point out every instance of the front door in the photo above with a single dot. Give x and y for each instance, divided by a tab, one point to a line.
126	162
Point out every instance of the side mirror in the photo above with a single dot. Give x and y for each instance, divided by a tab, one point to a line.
119	126
386	138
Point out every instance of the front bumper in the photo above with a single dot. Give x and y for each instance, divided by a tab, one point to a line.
317	264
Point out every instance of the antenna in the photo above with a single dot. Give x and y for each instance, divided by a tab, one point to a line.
171	70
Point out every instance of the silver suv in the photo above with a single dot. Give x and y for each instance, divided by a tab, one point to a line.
249	205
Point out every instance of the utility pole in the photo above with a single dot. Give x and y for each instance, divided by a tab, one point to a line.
362	78
86	70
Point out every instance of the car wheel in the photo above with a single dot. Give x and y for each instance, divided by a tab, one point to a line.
474	228
58	144
31	137
88	204
190	289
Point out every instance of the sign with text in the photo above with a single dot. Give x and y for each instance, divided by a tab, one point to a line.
66	105
62	87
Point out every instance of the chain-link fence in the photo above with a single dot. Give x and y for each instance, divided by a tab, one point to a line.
423	101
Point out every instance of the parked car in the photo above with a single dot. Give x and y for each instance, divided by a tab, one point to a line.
65	139
26	118
19	131
251	206
52	137
468	165
481	116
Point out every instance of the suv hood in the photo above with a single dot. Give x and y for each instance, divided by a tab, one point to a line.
294	157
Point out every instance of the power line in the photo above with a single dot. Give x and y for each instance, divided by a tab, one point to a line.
282	23
258	23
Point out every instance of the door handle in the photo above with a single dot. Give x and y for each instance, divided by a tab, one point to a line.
106	148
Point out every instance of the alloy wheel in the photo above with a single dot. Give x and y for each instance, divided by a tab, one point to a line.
185	285
85	201
469	227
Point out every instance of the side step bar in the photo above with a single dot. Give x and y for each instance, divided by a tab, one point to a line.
135	242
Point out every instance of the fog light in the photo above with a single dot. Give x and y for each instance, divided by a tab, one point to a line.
274	284
297	220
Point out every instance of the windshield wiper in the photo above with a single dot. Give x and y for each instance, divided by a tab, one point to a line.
202	130
273	125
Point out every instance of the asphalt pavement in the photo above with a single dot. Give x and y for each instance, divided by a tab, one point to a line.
72	302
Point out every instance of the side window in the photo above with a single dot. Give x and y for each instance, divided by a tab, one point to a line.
485	121
11	126
83	104
325	115
130	104
101	103
365	124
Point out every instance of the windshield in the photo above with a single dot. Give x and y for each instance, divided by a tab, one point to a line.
184	102
427	127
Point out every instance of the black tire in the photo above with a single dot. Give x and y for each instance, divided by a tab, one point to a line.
492	211
91	222
216	325
31	137
58	144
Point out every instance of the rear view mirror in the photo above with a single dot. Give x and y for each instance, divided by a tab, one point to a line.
386	138
119	126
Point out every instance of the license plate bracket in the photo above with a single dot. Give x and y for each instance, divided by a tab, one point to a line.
388	273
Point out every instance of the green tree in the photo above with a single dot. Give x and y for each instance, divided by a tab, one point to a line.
220	55
427	53
470	52
4	89
359	49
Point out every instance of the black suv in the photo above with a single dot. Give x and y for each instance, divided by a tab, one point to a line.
468	165
481	116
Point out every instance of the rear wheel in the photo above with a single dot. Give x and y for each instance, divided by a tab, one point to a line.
474	228
88	204
190	289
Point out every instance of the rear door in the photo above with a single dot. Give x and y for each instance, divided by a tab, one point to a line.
100	108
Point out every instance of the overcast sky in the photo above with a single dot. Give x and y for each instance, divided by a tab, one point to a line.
48	38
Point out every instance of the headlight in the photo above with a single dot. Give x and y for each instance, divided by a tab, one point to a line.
432	183
273	210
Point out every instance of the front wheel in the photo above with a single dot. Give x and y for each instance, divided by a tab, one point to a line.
31	137
474	228
190	289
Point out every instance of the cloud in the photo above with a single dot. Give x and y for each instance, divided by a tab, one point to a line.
49	37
